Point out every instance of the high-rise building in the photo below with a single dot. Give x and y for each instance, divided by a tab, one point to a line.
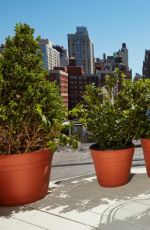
64	60
146	64
2	46
123	54
137	77
51	57
81	48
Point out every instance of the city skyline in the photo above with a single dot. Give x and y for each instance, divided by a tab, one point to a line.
109	24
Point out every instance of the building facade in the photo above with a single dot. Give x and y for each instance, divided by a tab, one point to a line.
146	65
2	46
76	87
64	60
119	60
123	54
137	77
61	79
81	48
51	57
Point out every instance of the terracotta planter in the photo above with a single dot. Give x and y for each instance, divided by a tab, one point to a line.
146	150
112	166
24	178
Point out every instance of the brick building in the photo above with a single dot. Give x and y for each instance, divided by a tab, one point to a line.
76	87
61	79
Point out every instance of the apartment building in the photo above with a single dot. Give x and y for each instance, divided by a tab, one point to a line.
64	60
81	48
51	57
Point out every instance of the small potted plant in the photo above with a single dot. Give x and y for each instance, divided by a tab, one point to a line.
31	120
142	104
109	117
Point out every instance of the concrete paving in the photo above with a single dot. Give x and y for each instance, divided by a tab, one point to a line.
67	157
71	163
80	203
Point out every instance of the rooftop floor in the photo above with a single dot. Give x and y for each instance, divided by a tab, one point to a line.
81	203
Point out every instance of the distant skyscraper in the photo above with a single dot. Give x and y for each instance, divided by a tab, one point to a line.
2	46
81	48
51	57
146	64
137	77
123	53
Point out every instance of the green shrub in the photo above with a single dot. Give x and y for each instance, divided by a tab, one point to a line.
141	94
31	109
109	115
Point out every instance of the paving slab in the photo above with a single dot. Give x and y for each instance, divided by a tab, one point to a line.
81	203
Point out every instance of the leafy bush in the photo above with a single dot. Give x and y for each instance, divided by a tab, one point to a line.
31	109
142	103
109	116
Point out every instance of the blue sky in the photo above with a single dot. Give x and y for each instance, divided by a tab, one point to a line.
109	22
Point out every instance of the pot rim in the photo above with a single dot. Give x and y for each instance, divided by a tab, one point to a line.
97	147
26	153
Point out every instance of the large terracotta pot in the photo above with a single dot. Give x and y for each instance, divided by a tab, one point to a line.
112	166
146	150
24	178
